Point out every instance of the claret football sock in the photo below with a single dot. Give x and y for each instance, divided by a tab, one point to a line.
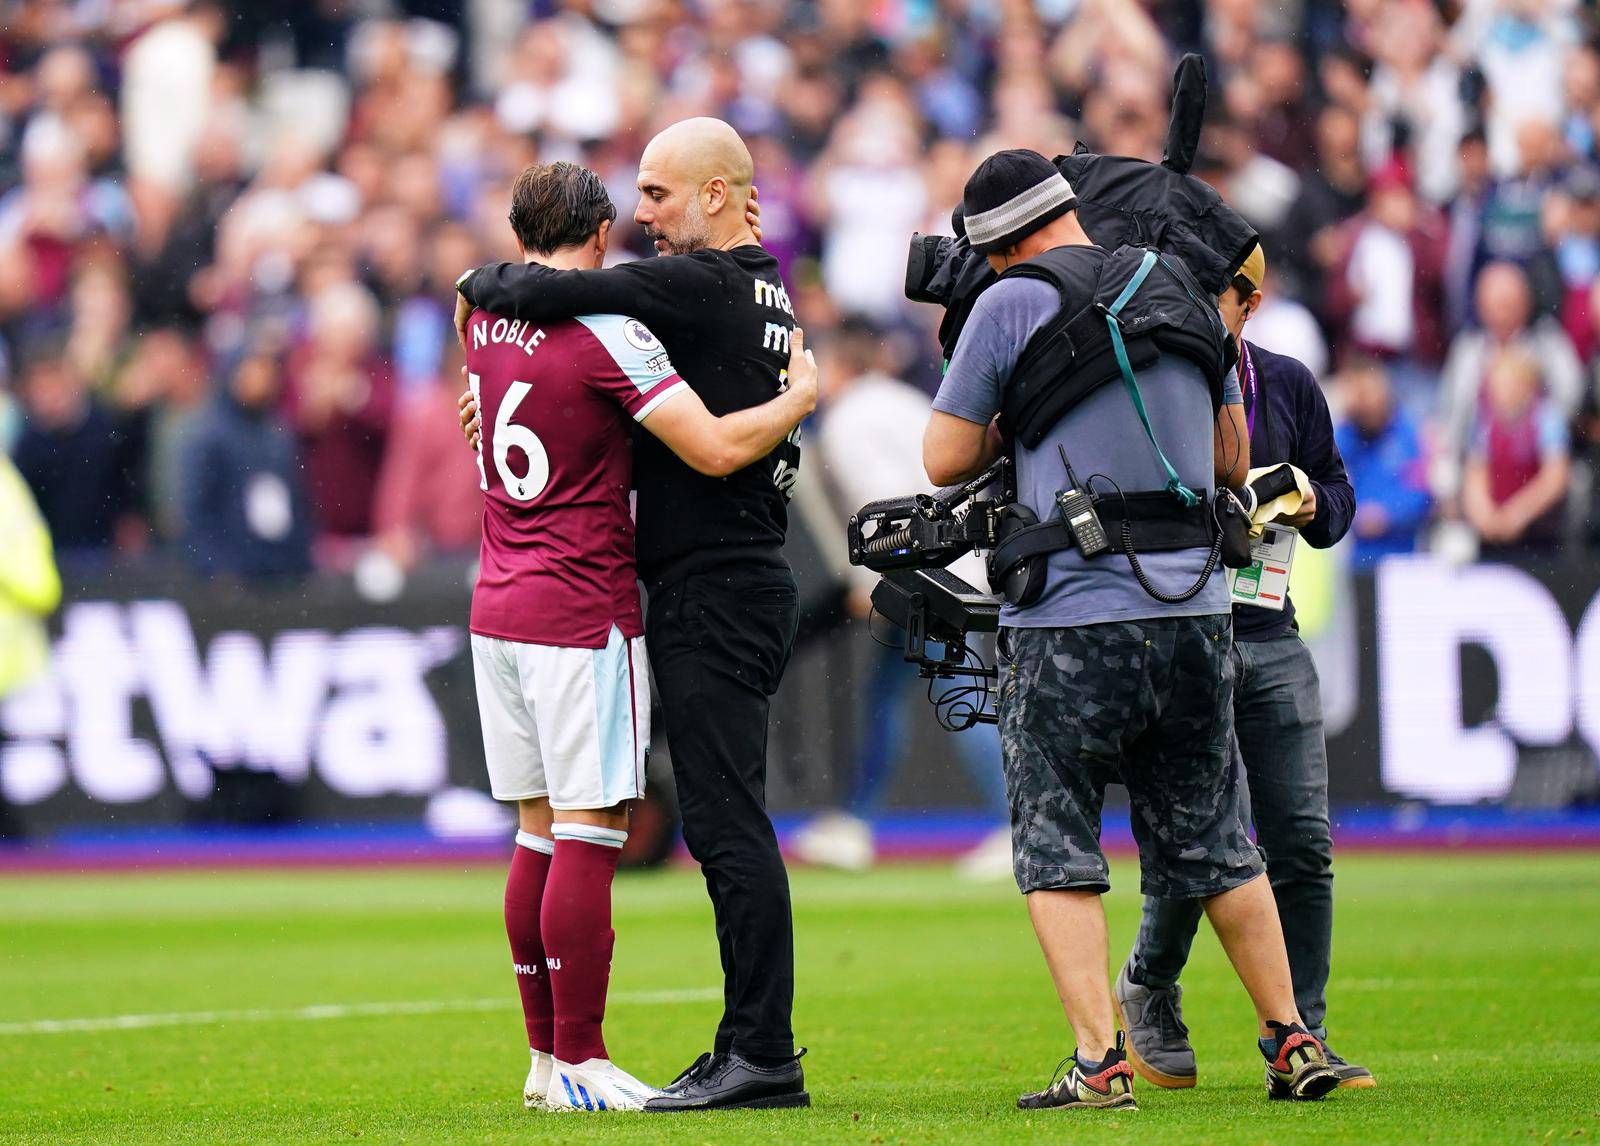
525	885
576	924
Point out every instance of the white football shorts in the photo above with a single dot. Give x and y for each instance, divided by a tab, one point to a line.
570	724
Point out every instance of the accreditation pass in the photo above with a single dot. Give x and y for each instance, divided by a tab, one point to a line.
1264	583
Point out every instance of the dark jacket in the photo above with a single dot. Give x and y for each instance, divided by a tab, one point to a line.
1292	424
244	509
82	478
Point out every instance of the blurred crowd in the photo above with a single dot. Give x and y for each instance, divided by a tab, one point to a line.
229	231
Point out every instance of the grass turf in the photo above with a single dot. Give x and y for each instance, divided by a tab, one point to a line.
1469	983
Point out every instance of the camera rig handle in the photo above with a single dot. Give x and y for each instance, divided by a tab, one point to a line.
921	531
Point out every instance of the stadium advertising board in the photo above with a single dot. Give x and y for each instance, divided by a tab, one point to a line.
1479	669
1455	684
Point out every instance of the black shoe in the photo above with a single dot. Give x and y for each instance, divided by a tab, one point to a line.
691	1072
732	1082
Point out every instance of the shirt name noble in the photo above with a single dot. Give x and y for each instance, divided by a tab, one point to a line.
513	331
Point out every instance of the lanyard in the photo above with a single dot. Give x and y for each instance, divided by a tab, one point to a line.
1251	389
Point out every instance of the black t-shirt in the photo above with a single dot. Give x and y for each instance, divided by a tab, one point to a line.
724	318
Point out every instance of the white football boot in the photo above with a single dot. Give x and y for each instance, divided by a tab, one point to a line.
990	861
835	840
596	1085
538	1084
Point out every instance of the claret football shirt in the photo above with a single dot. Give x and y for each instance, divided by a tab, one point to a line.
556	564
725	317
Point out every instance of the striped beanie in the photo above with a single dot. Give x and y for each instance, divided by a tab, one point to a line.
1011	195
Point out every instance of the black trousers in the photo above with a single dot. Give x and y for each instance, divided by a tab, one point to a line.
719	640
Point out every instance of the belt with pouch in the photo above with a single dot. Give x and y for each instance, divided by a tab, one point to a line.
1151	521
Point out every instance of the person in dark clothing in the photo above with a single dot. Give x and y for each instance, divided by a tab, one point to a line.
1333	190
242	508
76	456
1278	724
722	602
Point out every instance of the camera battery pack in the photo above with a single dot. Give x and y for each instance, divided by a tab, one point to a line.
1077	510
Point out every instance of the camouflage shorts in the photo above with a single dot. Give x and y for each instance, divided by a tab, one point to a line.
1144	703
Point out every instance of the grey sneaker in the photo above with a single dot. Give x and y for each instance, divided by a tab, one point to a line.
1351	1075
1158	1042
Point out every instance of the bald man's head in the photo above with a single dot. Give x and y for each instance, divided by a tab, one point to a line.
694	184
702	149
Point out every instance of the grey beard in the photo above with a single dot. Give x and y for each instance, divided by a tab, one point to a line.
694	235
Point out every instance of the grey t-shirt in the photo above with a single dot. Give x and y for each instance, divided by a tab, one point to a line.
1102	435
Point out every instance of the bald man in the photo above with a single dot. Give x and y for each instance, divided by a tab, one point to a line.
722	602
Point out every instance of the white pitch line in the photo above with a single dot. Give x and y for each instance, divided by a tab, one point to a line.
1586	983
324	1011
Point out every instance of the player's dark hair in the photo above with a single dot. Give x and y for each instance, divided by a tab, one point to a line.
1243	288
555	205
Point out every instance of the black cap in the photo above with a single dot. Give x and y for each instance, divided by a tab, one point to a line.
1011	195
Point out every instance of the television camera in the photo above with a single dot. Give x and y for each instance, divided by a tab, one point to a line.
910	540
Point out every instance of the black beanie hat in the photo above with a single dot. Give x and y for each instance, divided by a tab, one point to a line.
1011	195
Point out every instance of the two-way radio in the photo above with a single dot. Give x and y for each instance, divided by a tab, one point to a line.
1076	506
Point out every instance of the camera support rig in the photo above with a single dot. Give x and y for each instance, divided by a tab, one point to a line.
936	605
910	540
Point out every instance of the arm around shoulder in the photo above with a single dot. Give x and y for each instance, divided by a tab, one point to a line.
721	446
661	292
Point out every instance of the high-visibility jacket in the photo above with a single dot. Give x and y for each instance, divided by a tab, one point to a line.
30	587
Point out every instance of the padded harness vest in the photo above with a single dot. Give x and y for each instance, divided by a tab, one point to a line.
1141	306
1072	354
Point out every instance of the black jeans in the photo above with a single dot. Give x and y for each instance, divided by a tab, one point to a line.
1278	718
719	640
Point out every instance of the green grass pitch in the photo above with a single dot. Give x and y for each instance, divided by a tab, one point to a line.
378	1005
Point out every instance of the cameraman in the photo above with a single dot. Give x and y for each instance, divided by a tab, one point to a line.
1278	722
1103	682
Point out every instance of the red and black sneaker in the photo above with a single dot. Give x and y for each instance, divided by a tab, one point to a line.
1298	1067
1108	1087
